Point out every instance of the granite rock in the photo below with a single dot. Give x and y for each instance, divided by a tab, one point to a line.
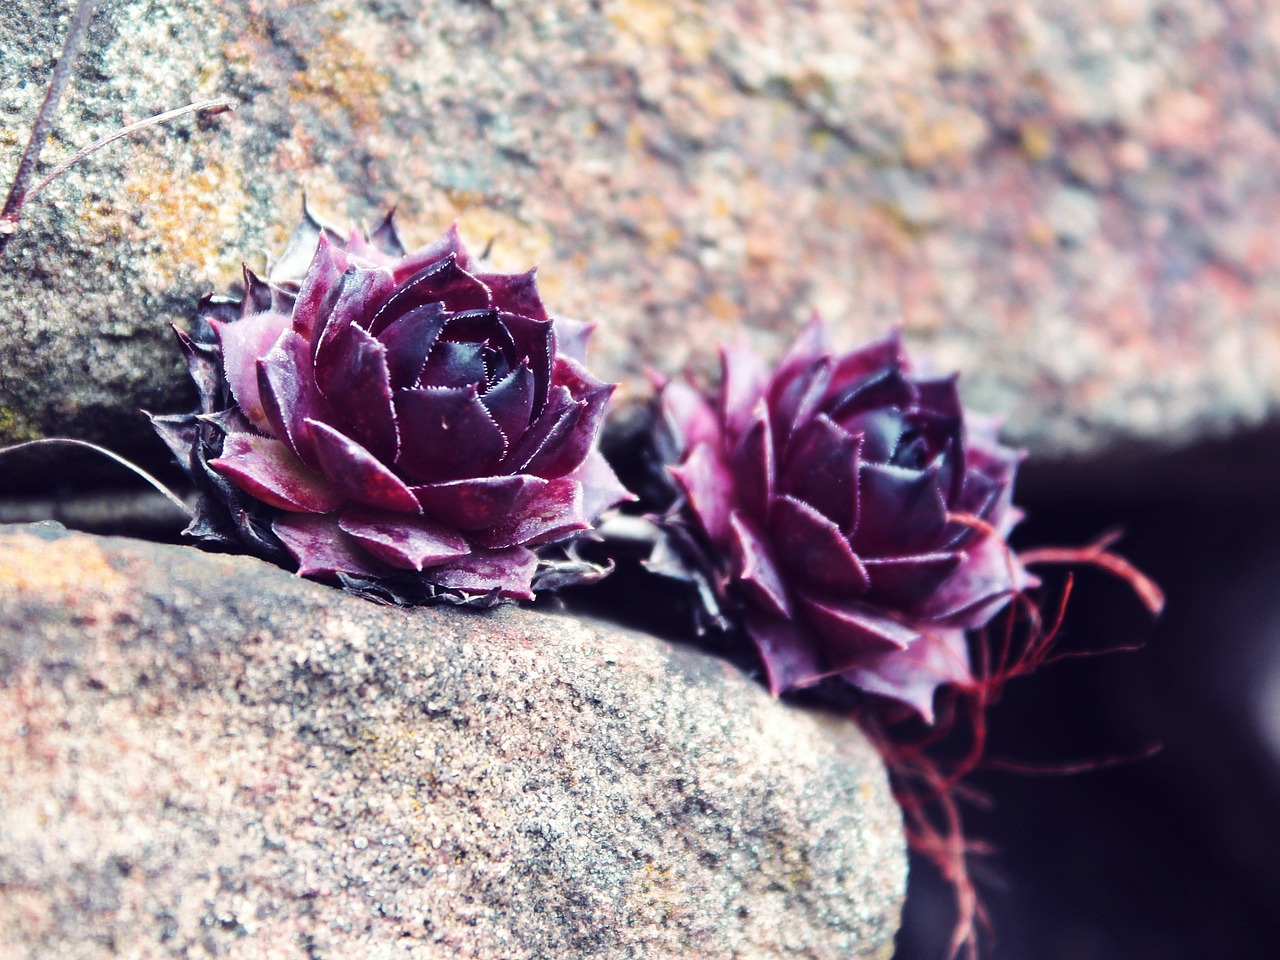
203	755
1074	203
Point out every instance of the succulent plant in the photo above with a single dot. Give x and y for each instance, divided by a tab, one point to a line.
403	422
845	512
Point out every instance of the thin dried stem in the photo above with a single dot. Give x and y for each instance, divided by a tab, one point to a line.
215	106
9	216
86	445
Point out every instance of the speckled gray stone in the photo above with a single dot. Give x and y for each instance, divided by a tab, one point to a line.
1072	202
205	756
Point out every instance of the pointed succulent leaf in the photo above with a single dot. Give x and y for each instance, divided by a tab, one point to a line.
290	399
244	343
822	470
328	265
265	468
534	341
258	294
904	583
901	510
878	355
688	417
754	466
790	653
361	250
403	541
452	436
810	346
555	422
812	547
795	399
358	473
879	390
298	259
222	309
742	382
880	431
510	401
349	302
571	447
205	367
480	502
483	327
409	340
601	488
355	380
999	464
754	566
444	281
447	247
703	478
454	364
940	395
386	237
913	675
981	499
180	433
553	512
981	585
854	632
509	571
321	548
516	293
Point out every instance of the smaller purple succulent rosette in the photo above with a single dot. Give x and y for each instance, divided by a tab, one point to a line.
406	423
846	512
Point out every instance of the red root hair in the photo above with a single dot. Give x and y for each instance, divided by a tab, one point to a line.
929	779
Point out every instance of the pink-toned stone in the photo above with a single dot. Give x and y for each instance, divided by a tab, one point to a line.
204	756
1074	203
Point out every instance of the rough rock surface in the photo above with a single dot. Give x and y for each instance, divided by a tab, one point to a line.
203	755
1074	203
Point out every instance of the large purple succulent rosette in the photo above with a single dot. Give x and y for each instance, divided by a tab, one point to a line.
849	511
404	422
